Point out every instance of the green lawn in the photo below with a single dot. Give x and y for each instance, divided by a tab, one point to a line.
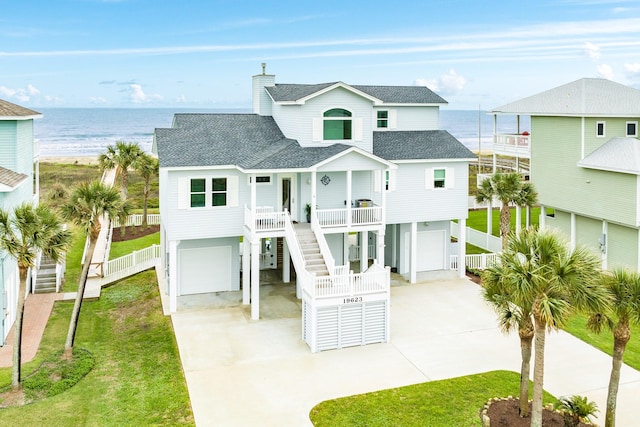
478	219
446	403
137	379
119	249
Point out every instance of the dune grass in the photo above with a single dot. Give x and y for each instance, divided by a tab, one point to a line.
446	403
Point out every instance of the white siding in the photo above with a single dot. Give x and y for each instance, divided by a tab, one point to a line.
412	201
410	118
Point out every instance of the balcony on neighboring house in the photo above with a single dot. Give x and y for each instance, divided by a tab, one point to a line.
518	145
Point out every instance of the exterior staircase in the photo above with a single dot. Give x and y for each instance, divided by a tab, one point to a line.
46	278
314	262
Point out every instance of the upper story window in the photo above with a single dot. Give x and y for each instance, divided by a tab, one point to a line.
439	176
198	192
337	124
219	192
632	128
600	129
207	192
382	119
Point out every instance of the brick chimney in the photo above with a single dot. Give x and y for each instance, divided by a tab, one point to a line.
261	100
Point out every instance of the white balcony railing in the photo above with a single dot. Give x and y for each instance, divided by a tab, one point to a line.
264	218
376	279
341	218
512	144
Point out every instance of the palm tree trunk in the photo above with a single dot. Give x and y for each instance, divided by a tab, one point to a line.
619	345
147	187
124	182
525	369
505	223
538	373
75	315
16	375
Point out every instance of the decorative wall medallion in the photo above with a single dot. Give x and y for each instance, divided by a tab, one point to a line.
325	180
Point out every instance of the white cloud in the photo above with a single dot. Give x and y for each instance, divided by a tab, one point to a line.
447	84
99	100
181	99
137	95
592	51
605	71
632	69
20	94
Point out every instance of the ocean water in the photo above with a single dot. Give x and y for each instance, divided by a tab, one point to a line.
88	131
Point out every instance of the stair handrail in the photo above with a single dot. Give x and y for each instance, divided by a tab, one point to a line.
322	244
307	280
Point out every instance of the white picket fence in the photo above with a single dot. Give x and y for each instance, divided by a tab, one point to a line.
136	219
475	261
130	264
478	238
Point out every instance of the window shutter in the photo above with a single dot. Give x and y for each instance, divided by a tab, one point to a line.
184	192
393	119
317	130
428	179
392	179
232	191
377	176
357	128
449	180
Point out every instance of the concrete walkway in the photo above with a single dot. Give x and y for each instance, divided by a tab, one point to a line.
243	373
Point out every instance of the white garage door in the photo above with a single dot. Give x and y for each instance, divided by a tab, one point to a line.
205	270
431	250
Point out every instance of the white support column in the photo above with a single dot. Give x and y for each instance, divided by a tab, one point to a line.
543	216
518	219
527	219
255	279
313	202
605	243
364	250
345	250
380	248
638	237
462	247
253	193
489	218
414	255
173	276
349	197
286	262
394	245
383	192
573	231
246	270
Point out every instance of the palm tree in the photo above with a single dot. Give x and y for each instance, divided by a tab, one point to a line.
509	188
624	286
558	282
122	156
25	232
499	283
87	204
147	167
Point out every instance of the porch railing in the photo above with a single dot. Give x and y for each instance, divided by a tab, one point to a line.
375	279
341	218
476	261
507	143
136	220
264	218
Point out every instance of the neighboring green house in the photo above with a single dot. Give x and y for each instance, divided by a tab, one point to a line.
18	184
585	163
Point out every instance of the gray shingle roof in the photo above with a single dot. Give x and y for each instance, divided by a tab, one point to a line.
584	97
8	109
387	94
617	155
11	178
416	145
247	140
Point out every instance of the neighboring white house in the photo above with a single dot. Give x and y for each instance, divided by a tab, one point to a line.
381	183
18	164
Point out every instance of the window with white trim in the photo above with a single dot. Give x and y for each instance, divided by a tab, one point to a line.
632	129
600	129
198	193
261	179
218	191
437	178
337	124
382	121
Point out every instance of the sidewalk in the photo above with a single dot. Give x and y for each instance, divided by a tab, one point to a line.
37	309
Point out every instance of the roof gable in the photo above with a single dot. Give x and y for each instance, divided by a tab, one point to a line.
617	155
584	97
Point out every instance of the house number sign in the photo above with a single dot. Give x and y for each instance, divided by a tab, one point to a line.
351	300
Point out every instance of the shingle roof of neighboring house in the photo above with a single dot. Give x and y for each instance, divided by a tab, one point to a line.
416	145
247	140
617	155
10	178
584	97
387	94
8	109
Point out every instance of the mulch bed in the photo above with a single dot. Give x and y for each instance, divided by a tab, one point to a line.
505	413
133	232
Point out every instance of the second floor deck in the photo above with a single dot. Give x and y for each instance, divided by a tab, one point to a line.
512	145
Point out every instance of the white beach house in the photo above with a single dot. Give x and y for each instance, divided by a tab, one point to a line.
342	182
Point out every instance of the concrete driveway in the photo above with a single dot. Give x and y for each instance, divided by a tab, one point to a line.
260	373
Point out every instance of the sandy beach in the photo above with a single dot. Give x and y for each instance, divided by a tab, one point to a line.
80	160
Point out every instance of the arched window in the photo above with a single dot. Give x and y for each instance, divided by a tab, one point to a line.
337	124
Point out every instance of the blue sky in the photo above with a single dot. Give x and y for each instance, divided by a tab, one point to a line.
202	54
